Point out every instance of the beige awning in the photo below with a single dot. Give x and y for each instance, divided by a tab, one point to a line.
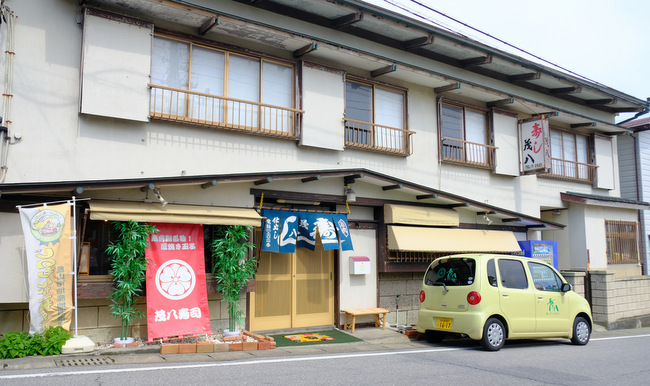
420	215
404	238
173	213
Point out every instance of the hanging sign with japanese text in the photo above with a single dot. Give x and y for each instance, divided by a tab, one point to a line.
286	230
48	246
177	299
534	145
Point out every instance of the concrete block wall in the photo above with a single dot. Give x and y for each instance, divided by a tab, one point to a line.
616	299
577	281
96	321
408	286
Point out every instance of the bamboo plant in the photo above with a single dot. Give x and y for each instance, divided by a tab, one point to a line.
129	266
233	269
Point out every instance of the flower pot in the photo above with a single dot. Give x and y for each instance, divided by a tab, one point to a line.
127	342
227	332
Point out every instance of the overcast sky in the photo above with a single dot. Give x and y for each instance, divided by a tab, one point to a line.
606	41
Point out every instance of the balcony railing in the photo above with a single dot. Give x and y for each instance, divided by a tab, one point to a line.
178	105
571	170
370	136
468	153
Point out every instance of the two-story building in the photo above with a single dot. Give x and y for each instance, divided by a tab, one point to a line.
432	143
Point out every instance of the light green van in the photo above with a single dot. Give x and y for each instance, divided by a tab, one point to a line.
492	298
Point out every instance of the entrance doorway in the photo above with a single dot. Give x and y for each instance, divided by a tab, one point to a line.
293	290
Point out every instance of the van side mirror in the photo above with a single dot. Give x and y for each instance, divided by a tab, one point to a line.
566	287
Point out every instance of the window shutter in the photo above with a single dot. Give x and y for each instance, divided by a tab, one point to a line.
116	62
604	159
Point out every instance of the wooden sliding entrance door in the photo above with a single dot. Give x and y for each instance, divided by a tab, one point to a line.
293	290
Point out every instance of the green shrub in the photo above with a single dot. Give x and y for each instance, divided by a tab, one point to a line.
21	344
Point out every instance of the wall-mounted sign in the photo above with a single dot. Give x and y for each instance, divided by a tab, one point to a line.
535	150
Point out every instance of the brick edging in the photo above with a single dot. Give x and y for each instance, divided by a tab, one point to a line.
234	343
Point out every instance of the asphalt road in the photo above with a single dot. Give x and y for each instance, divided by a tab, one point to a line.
604	361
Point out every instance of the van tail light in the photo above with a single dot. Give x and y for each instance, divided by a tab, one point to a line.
422	296
473	298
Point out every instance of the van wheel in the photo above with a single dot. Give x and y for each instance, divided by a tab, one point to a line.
434	336
581	331
494	335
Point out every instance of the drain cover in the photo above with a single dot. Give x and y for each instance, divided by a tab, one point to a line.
83	362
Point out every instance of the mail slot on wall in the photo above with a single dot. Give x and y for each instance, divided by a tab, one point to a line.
359	265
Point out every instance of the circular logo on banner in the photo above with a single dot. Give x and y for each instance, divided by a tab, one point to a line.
47	226
175	279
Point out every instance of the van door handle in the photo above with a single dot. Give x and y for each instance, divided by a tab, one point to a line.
505	294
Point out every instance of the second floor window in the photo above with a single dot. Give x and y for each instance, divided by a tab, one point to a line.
570	156
375	118
207	86
464	133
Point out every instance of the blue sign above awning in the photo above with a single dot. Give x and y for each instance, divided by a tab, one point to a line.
284	231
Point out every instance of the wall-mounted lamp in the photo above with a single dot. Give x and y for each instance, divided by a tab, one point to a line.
487	219
160	197
557	212
350	195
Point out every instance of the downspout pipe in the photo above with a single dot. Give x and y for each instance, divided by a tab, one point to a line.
644	111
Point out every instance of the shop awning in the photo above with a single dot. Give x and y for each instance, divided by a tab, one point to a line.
419	215
189	214
405	238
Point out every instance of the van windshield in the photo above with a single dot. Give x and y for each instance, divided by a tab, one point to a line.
451	272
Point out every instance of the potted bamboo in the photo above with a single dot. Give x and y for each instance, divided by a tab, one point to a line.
233	269
129	266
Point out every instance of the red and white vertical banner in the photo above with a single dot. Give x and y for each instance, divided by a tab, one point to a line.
177	298
48	246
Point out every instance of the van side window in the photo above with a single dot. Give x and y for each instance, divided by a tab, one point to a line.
512	274
544	278
492	273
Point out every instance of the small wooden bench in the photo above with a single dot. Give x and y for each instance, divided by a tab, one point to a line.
379	313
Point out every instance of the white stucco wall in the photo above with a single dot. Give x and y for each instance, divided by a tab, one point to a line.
359	291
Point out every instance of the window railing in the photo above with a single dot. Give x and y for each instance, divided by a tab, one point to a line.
467	153
370	136
178	105
571	170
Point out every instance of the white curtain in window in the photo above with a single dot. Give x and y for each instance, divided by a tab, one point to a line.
170	67
389	115
277	91
244	84
475	132
208	67
557	154
569	146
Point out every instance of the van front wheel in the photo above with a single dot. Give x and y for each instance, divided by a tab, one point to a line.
581	331
494	335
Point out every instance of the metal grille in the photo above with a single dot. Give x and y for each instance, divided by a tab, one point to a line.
413	256
77	362
621	242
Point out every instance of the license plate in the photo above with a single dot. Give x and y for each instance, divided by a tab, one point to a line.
443	323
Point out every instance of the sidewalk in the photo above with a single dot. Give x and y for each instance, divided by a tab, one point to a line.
373	340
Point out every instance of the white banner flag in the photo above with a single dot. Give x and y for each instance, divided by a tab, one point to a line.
48	247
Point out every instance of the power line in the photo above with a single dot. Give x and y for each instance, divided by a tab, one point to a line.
418	15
